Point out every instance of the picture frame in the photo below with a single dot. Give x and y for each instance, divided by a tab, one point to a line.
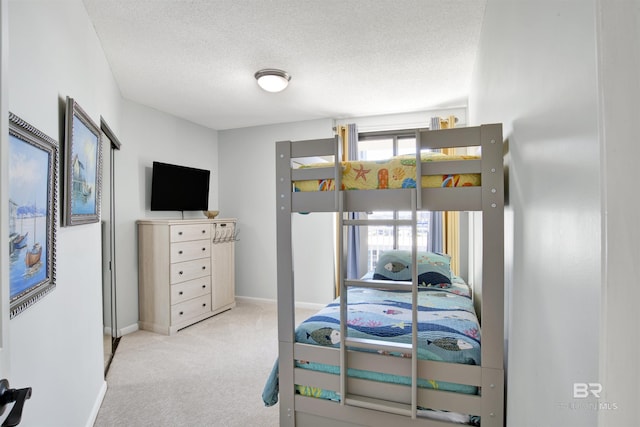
33	201
82	167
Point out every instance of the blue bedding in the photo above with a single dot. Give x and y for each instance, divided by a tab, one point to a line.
448	330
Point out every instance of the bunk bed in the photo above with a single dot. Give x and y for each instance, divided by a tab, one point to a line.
477	385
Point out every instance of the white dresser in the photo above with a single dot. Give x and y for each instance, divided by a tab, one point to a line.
186	271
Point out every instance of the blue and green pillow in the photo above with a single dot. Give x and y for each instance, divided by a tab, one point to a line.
434	269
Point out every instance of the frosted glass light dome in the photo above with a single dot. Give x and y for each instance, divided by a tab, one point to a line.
272	80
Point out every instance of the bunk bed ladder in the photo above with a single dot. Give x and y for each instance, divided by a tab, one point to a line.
346	342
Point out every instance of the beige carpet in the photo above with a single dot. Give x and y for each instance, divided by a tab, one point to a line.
209	374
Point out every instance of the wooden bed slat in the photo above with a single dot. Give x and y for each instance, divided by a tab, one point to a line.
381	345
390	285
398	393
451	167
435	199
450	401
306	174
318	354
391	365
450	138
427	398
427	369
313	148
450	372
378	404
317	412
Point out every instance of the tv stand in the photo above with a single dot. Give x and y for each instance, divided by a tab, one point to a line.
186	271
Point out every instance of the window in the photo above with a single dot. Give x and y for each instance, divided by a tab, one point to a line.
383	238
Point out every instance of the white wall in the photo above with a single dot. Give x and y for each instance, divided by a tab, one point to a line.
56	345
536	73
148	135
247	192
618	71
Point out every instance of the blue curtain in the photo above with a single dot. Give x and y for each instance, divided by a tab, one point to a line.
436	238
435	232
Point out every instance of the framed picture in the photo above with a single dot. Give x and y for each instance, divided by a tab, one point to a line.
33	201
82	167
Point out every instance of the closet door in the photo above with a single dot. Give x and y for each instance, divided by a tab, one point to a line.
109	301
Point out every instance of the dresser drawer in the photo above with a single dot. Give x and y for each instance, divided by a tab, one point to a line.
187	251
186	232
191	289
188	270
190	308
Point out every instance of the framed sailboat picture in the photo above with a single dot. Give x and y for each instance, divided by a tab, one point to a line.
33	201
82	167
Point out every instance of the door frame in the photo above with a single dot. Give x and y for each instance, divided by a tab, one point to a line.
5	371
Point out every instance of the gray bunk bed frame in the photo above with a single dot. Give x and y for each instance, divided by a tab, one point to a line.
366	402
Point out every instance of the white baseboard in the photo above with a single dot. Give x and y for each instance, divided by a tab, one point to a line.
252	299
96	406
128	329
123	331
309	305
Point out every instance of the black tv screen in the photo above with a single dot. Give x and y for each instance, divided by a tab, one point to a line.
179	188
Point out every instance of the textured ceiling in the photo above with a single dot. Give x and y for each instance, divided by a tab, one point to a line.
196	59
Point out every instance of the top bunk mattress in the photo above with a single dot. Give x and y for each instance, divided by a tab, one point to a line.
396	172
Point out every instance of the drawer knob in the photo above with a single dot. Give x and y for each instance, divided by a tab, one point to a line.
204	267
204	286
181	313
204	249
180	293
179	233
179	252
204	304
180	273
204	231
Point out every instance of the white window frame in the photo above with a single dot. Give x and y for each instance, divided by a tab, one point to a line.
398	235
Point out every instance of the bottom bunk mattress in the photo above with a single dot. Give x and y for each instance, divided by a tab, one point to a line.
448	330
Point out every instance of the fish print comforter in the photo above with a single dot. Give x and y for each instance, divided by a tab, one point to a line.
448	330
397	172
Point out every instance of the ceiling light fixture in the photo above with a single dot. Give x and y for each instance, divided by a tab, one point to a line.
272	80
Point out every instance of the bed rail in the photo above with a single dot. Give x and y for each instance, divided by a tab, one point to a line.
452	138
487	137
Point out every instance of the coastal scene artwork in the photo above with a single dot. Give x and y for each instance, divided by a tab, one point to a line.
33	161
82	167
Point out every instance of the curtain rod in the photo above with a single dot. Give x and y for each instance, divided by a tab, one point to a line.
397	131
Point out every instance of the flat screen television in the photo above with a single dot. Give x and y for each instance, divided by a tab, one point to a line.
179	188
